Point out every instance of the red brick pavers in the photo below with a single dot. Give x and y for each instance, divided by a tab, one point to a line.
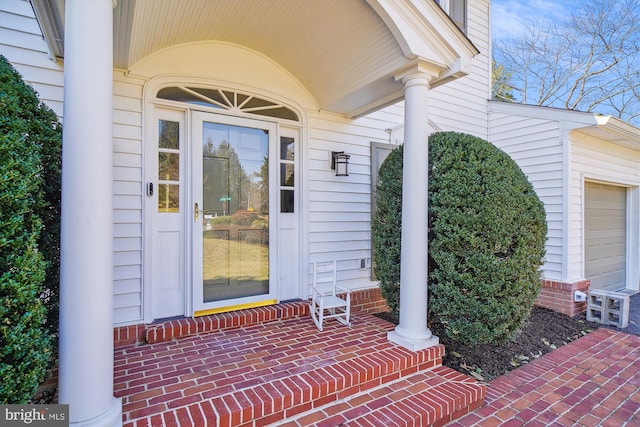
262	374
594	381
426	398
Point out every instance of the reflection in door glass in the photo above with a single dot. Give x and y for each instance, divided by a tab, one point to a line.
168	166
168	198
235	185
287	148
287	174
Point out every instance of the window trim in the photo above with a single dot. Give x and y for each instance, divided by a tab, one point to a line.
457	7
230	100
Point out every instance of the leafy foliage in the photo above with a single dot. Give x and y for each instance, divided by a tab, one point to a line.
486	238
501	88
30	149
386	229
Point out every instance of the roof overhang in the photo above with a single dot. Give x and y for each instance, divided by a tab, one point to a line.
50	15
346	53
613	130
577	124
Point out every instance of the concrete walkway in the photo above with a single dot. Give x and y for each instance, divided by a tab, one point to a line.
593	381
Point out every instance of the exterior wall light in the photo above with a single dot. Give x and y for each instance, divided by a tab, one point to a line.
340	162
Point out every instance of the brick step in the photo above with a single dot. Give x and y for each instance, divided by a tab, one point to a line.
341	380
362	301
262	400
428	398
181	328
169	330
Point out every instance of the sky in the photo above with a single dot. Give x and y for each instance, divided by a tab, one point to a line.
508	16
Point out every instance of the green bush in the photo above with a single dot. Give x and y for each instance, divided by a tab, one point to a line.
486	238
30	141
386	229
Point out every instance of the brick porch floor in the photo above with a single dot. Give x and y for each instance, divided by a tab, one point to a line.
594	381
227	370
287	373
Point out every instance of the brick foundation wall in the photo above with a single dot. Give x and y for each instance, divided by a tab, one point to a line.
127	335
368	301
554	295
558	296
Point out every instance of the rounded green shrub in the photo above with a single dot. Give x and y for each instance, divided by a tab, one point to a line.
30	141
386	229
486	238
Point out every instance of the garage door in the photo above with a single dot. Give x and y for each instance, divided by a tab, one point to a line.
605	235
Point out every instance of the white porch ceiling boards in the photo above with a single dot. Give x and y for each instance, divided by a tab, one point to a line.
332	47
346	53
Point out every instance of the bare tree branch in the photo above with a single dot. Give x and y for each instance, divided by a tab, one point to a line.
589	62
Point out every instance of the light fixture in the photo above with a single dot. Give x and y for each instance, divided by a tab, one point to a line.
340	162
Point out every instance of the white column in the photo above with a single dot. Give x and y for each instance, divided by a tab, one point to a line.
412	331
86	264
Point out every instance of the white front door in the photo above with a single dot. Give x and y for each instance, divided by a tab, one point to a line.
222	222
233	226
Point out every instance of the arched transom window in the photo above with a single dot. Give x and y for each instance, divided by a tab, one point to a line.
227	100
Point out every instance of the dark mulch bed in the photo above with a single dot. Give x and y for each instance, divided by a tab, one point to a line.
544	331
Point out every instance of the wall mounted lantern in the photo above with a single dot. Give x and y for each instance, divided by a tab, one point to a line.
340	162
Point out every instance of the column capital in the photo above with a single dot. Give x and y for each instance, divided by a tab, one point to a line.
419	70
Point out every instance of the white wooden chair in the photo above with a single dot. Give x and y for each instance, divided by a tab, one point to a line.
325	303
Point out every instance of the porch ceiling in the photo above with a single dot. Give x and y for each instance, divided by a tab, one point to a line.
344	52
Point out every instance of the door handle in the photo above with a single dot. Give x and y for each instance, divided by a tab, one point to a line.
196	212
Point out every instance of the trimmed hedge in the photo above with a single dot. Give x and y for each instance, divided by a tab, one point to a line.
486	238
386	229
30	147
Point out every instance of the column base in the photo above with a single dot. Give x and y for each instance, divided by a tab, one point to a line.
112	417
413	343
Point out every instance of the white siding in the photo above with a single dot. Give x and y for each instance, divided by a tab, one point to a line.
21	42
535	145
593	159
339	208
461	105
127	198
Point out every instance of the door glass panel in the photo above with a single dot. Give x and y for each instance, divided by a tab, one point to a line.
168	198
286	201
168	166
169	134
287	148
287	174
235	225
